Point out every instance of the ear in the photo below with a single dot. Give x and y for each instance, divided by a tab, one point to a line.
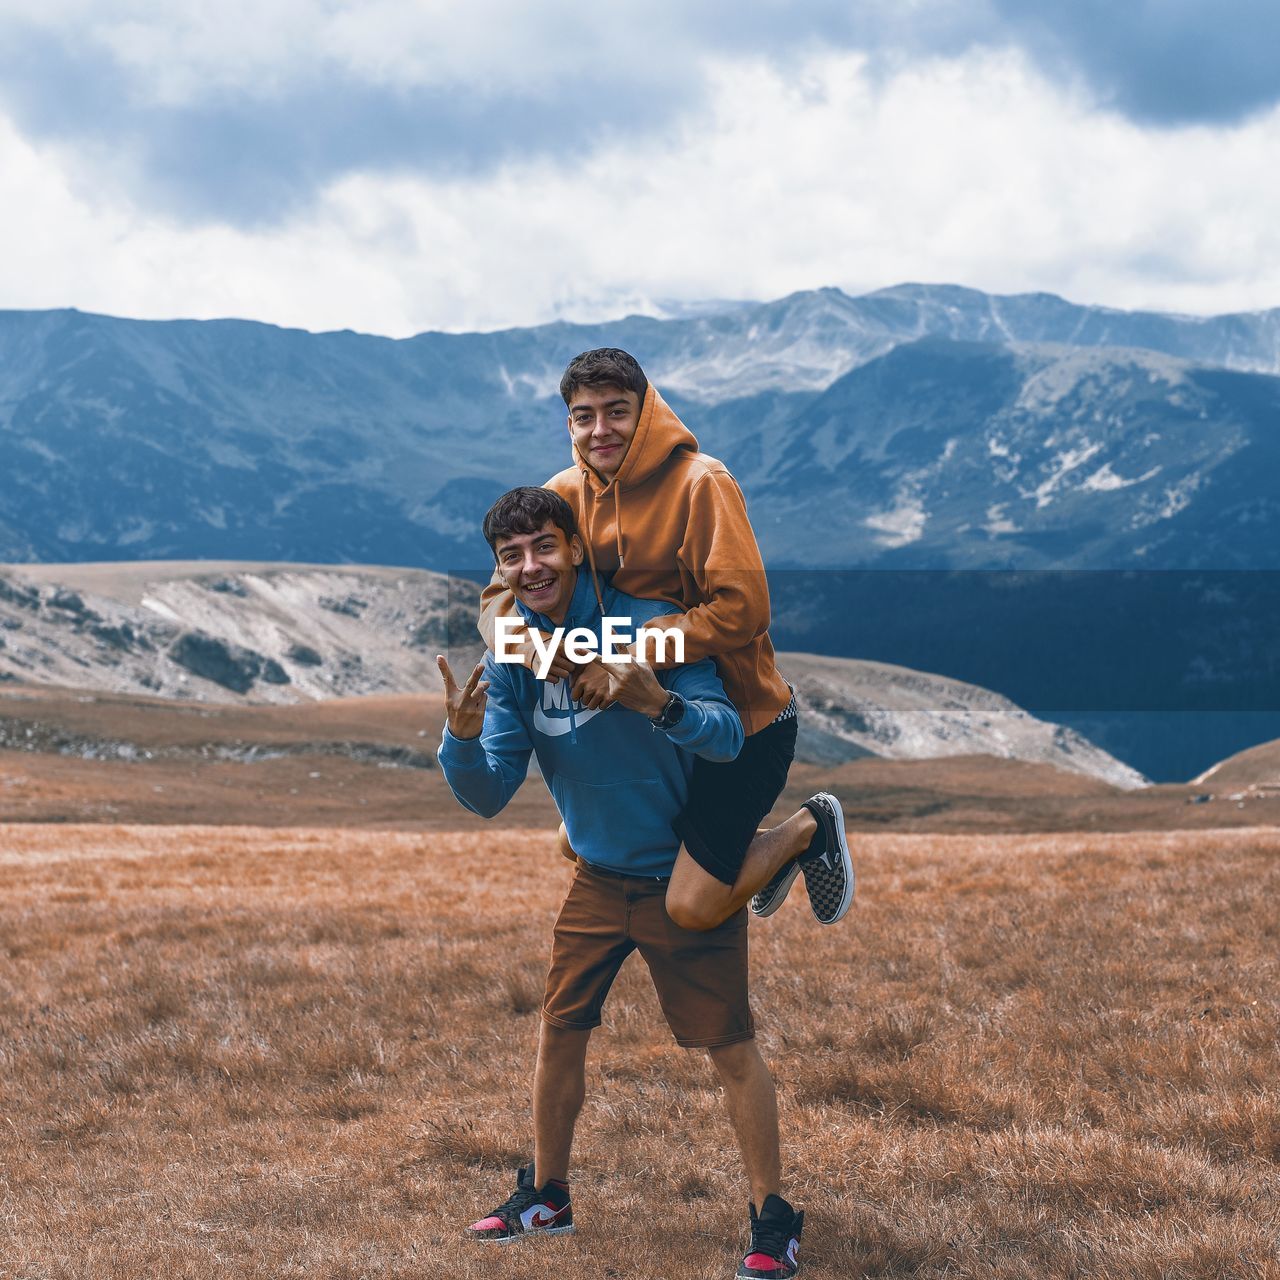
577	551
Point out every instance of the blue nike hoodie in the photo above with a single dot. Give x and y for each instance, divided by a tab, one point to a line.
617	781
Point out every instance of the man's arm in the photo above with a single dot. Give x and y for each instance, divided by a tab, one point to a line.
710	726
720	552
484	758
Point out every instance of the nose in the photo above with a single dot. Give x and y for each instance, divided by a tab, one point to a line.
531	564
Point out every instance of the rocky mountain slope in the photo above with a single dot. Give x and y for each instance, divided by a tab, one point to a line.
1254	770
944	454
851	707
284	634
220	632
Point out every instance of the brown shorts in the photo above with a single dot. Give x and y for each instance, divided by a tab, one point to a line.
700	976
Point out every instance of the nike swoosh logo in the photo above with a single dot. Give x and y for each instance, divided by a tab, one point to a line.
557	728
539	1221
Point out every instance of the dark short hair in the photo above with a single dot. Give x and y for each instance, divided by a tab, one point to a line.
603	367
526	510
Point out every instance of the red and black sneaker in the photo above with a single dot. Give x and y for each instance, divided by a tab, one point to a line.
775	1242
528	1212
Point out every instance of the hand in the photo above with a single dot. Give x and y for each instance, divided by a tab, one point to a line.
520	643
593	686
464	707
561	668
634	685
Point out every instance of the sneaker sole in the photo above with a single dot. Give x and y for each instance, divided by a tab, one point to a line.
843	840
779	894
524	1235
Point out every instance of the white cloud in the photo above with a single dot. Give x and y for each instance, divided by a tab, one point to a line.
973	171
189	50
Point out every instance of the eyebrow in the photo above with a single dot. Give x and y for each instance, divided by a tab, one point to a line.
513	545
609	404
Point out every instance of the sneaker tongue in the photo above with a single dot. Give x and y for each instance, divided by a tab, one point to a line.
776	1207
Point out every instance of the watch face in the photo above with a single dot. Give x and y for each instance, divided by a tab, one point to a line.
674	711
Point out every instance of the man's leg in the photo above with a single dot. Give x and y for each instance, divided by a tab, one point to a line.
753	1109
541	1204
726	859
697	900
559	1087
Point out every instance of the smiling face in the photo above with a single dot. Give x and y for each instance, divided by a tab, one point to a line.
602	422
541	568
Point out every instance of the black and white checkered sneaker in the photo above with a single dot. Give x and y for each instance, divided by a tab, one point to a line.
771	897
828	870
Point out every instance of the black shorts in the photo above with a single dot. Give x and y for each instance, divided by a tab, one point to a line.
728	801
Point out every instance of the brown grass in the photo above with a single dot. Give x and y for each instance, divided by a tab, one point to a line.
236	1052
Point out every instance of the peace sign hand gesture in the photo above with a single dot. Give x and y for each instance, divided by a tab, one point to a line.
464	707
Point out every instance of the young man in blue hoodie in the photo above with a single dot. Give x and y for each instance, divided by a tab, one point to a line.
619	776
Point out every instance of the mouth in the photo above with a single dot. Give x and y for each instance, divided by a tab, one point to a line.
538	590
607	448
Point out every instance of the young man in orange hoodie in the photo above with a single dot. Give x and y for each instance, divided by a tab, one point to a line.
669	522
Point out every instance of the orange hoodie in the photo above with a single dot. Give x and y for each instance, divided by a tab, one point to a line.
672	525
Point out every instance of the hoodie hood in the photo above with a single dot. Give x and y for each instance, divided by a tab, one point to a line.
659	433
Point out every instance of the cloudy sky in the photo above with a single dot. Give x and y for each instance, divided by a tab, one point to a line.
398	165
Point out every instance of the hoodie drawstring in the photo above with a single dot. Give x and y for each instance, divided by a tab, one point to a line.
587	510
617	520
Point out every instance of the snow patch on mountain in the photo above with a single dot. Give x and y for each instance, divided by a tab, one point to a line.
997	521
1175	498
1060	467
1104	480
901	525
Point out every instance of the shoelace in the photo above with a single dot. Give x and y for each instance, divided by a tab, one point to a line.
770	1239
511	1209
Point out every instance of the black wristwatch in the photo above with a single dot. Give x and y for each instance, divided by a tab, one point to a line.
670	715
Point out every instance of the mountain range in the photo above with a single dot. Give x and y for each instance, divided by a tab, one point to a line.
932	426
913	431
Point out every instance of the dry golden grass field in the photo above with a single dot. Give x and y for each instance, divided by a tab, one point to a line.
244	1052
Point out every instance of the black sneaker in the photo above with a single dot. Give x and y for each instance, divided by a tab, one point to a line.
771	897
828	870
775	1242
529	1212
